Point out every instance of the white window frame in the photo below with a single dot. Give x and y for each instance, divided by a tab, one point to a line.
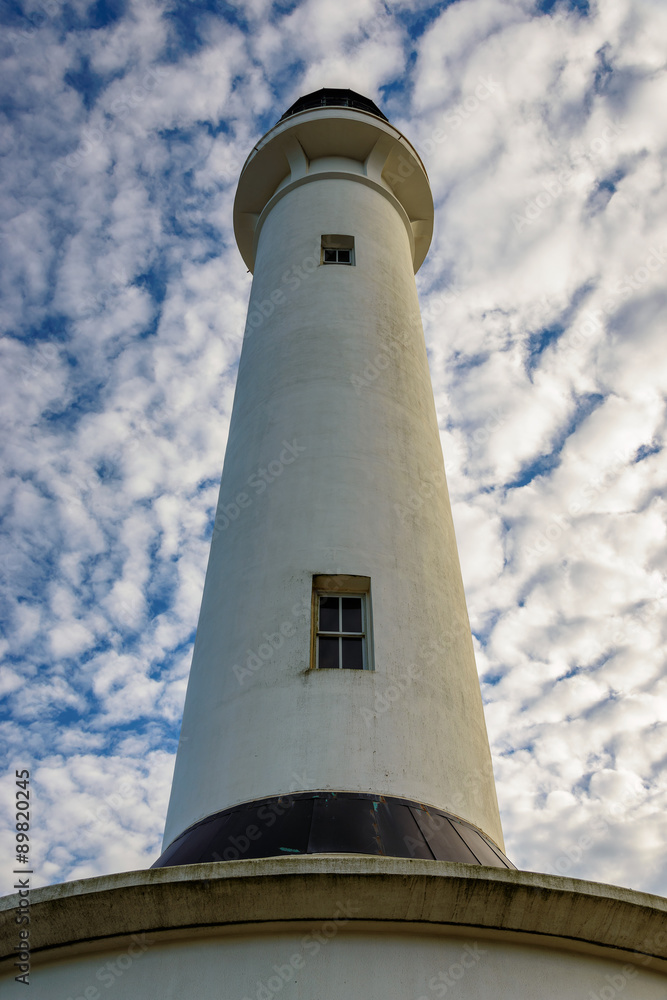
342	586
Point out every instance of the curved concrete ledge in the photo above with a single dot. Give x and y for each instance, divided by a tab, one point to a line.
513	905
296	149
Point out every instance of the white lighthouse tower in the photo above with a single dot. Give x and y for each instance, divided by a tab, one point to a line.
333	660
333	830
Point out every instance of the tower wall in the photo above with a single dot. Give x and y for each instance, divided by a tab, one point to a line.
334	402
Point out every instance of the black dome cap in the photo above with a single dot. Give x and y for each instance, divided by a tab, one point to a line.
334	97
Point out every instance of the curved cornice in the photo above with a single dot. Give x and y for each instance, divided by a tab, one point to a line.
339	142
438	896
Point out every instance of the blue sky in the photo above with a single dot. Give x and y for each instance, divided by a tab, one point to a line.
124	128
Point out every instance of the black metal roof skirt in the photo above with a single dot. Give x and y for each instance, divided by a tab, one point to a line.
335	98
332	823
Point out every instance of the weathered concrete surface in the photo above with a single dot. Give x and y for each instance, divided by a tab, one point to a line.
462	899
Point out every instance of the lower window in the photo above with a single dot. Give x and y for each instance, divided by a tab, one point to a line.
341	627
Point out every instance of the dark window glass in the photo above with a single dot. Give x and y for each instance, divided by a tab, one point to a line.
345	826
328	653
338	254
283	827
351	614
353	657
194	846
341	632
442	837
482	851
329	614
401	837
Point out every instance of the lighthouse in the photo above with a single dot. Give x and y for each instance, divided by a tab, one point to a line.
333	830
333	689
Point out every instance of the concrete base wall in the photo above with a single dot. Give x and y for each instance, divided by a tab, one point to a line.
366	964
339	927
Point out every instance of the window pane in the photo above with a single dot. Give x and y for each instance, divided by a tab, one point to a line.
329	614
343	256
328	650
353	658
351	614
330	256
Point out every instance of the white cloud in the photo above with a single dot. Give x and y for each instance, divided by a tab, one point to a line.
543	298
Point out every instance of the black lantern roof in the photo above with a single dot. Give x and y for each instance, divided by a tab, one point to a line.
333	97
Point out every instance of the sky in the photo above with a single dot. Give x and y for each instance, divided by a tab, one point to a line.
542	125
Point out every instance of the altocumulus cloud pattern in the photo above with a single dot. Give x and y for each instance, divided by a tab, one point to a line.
125	126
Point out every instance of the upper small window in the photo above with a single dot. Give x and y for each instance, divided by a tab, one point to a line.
337	257
337	249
